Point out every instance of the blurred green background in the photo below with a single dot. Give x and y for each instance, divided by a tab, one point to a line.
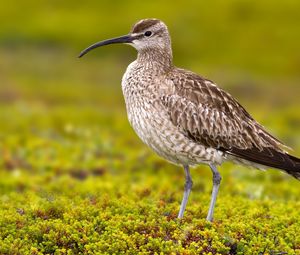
64	131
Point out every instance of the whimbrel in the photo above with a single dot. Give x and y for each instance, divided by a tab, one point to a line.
188	119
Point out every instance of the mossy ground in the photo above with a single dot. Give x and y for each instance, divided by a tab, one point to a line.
75	179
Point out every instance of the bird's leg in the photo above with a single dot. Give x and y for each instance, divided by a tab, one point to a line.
216	184
187	190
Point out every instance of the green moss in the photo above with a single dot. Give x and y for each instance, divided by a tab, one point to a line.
107	215
69	185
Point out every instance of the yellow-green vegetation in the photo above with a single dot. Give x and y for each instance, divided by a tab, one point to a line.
75	179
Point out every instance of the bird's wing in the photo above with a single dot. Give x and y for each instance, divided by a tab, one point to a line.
210	116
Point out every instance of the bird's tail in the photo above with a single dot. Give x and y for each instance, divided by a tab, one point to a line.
296	170
271	158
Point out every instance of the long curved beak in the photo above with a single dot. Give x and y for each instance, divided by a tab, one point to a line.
121	39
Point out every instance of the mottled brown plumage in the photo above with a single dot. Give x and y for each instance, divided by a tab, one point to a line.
212	117
186	118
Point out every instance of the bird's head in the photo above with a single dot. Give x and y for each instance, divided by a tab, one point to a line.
150	34
146	35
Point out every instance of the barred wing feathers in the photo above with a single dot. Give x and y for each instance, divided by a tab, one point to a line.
210	116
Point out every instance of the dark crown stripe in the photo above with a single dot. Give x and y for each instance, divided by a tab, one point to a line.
144	24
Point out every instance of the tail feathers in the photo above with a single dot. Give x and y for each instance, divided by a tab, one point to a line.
296	171
271	158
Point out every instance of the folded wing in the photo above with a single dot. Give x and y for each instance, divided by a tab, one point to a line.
210	116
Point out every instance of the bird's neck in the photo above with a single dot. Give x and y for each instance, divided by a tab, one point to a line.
160	58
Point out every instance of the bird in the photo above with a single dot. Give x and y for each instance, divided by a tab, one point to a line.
187	119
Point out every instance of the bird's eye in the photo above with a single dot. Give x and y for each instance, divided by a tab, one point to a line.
148	33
